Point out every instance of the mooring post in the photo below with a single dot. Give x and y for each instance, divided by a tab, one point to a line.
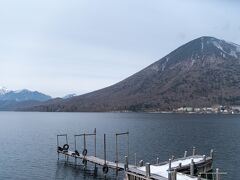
185	154
75	146
211	153
66	139
180	165
95	149
170	170
84	141
170	164
194	151
126	163
217	174
192	168
105	154
57	146
135	159
157	160
199	177
128	143
116	155
174	175
169	175
141	163
148	170
204	158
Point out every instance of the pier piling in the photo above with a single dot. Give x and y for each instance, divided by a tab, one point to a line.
185	154
192	168
148	170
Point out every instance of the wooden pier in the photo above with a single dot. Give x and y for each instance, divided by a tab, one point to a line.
192	167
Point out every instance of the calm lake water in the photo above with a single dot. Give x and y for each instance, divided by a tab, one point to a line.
28	140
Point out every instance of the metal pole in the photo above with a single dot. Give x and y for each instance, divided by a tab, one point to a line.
104	148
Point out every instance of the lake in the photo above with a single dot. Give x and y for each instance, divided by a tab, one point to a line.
28	140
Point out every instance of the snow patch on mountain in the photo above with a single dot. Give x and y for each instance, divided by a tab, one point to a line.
69	96
3	90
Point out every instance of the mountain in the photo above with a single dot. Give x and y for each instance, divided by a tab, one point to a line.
3	90
203	72
23	95
11	100
69	96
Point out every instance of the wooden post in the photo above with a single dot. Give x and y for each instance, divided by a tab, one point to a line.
194	151
95	150
57	141
174	175
57	146
217	174
116	155
170	165
128	143
66	139
170	170
95	142
148	170
169	175
135	158
105	154
199	177
192	168
204	158
180	165
185	154
126	163
211	153
84	141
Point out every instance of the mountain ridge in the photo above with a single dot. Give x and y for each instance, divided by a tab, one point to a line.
202	72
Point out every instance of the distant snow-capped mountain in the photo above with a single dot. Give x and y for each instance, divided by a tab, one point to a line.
3	90
22	95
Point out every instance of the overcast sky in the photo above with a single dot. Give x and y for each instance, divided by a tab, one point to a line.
77	46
